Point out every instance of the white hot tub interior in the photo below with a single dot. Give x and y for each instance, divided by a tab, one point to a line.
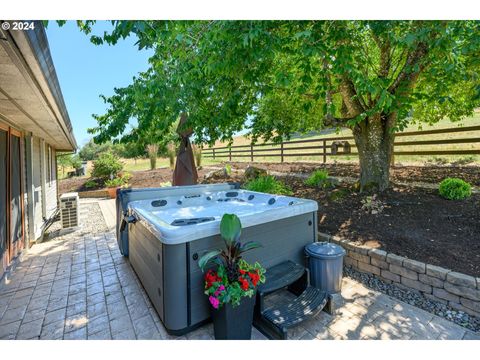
177	219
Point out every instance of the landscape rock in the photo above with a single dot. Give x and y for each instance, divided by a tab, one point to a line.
437	271
430	280
464	291
252	172
410	274
395	259
414	265
461	279
443	294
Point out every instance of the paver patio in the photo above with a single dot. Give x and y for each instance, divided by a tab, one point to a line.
79	286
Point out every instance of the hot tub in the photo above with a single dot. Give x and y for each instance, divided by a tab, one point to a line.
169	231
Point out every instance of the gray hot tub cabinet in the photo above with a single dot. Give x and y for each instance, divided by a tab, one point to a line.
174	282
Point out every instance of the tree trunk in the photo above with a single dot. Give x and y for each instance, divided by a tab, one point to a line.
374	141
153	162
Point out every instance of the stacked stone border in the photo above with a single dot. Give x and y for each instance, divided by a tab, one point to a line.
460	291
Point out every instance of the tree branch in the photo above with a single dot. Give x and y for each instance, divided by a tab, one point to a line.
406	76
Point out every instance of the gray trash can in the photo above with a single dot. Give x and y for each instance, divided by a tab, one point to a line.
325	262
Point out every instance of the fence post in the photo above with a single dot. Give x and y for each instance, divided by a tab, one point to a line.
213	153
281	151
324	151
230	153
251	152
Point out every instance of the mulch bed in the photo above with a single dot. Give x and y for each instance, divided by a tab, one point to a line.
415	223
399	174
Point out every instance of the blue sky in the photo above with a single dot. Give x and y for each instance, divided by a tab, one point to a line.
85	71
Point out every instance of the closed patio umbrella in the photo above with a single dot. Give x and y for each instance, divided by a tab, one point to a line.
185	172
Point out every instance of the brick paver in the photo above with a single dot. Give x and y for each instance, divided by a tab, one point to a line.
81	287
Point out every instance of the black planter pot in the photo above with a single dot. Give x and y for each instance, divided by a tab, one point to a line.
234	323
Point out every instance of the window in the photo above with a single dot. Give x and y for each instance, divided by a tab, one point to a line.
49	166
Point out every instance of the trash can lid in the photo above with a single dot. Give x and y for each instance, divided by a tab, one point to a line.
322	250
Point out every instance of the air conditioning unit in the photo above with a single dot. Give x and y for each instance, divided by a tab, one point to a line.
69	211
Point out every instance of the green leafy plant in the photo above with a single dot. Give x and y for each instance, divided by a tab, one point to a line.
268	184
118	181
89	184
228	169
455	189
107	165
319	178
233	277
372	205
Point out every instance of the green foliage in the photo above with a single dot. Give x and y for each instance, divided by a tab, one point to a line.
118	181
90	184
268	184
91	150
230	228
455	189
68	160
228	169
294	76
107	165
319	178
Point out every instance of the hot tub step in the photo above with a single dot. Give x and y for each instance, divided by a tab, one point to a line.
277	320
280	276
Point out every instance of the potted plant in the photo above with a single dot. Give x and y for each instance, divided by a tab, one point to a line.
231	283
116	183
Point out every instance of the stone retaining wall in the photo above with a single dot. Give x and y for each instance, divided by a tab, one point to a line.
460	291
93	194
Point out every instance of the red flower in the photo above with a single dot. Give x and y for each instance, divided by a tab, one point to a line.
243	272
210	278
243	283
254	277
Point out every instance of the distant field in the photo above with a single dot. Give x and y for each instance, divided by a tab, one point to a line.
472	121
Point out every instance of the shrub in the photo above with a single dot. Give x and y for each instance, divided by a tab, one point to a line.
89	184
455	189
319	178
228	170
107	165
118	181
268	184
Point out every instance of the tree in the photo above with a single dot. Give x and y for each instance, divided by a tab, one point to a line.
68	161
373	77
91	150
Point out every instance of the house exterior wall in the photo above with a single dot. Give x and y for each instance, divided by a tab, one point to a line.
38	176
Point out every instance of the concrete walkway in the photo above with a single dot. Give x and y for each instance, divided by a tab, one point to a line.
79	286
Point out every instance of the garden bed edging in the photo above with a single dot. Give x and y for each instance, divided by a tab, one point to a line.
460	291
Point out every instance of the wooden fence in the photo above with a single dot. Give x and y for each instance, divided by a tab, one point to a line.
343	145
